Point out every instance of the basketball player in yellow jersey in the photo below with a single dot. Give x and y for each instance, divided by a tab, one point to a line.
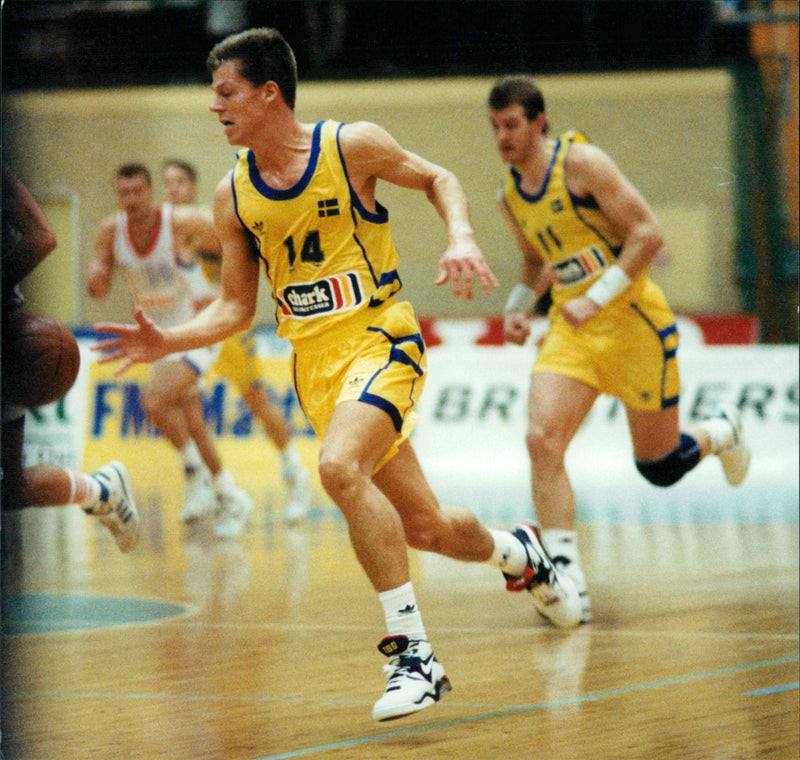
301	202
585	231
237	359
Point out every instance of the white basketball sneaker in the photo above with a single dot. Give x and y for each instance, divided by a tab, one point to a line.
116	508
233	514
554	594
567	567
199	499
734	454
416	679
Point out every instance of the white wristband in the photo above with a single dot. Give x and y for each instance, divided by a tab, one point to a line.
609	286
521	298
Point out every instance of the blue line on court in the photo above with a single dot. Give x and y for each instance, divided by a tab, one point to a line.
773	689
526	708
496	713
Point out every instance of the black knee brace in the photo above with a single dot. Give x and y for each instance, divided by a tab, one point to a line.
671	468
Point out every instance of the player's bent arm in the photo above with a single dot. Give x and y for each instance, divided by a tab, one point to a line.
370	153
591	171
239	270
101	268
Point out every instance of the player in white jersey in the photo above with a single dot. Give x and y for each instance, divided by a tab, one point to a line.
237	360
144	242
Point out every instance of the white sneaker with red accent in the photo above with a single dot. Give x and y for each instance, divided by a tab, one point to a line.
554	594
416	679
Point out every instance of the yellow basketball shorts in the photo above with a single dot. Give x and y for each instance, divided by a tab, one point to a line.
379	359
627	351
237	361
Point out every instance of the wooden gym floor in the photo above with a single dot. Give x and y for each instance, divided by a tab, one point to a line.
264	648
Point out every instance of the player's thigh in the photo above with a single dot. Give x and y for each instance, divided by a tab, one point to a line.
170	382
653	433
557	405
357	438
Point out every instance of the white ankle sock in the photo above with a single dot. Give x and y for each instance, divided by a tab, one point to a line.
509	554
190	456
223	482
84	490
719	431
401	612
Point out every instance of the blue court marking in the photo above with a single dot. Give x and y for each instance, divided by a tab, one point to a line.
773	690
502	712
527	708
57	613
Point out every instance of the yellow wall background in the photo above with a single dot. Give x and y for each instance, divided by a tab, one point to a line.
668	131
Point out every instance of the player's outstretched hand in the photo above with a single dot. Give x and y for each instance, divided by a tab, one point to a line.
462	262
142	342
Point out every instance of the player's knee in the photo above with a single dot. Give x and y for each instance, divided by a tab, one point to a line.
670	469
156	403
338	476
150	401
421	534
542	446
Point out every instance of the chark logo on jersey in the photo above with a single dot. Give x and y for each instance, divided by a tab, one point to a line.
312	299
582	265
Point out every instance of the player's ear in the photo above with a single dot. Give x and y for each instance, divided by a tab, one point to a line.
270	91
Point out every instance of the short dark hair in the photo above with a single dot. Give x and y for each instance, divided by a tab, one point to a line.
184	166
133	169
263	55
519	89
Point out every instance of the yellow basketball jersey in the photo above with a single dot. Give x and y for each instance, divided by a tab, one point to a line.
572	233
325	256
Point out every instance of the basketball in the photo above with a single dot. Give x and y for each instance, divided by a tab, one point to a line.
40	358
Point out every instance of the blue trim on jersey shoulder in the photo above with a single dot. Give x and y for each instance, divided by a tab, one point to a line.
381	214
291	192
536	196
587	202
254	242
591	204
615	249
